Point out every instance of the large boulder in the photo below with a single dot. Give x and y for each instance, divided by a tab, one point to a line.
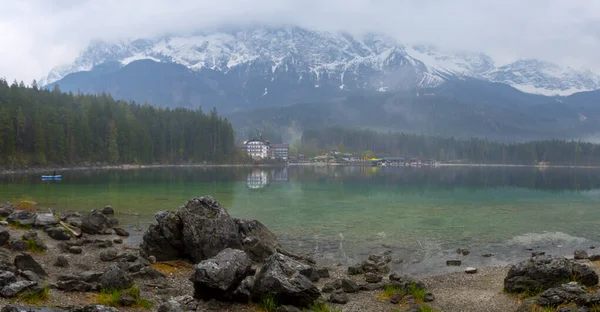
207	228
163	240
280	279
218	277
94	222
545	272
258	241
6	209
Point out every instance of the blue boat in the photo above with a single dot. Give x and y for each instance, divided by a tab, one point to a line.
51	177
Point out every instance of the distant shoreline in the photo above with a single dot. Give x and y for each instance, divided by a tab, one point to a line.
315	164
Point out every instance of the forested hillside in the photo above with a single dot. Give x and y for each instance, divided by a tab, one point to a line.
368	143
42	127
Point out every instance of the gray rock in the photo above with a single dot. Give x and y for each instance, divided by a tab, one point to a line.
121	232
44	219
127	300
488	255
6	209
76	286
207	228
113	222
85	276
397	298
348	285
75	250
355	270
23	217
152	259
218	277
95	308
108	255
6	278
31	276
25	262
170	307
400	281
58	233
75	221
108	210
3	223
13	289
595	257
115	278
453	262
257	240
21	308
243	293
5	260
565	293
118	241
279	278
372	286
340	298
4	237
370	266
323	272
429	297
61	262
545	272
538	253
332	286
148	273
580	255
94	222
463	251
471	270
17	245
373	278
163	240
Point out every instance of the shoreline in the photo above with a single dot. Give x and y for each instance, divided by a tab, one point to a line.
307	164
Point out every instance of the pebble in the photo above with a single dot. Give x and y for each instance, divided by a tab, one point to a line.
396	298
118	241
429	297
75	250
487	255
152	259
453	262
3	223
463	251
538	253
471	270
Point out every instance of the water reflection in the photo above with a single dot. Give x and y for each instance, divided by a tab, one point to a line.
260	178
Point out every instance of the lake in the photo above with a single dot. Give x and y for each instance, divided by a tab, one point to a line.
342	213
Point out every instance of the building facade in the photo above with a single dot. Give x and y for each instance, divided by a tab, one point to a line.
280	151
257	149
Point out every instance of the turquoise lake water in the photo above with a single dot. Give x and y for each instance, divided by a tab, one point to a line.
341	214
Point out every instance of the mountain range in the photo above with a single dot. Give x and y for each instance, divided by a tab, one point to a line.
273	70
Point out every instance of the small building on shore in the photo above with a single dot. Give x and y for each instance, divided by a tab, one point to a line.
257	148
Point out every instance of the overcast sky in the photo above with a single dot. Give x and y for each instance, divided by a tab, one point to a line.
37	35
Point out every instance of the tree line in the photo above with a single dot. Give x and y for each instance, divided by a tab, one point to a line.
476	150
40	127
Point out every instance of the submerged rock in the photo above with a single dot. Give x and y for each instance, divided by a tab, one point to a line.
580	255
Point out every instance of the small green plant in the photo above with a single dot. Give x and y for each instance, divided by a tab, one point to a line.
33	246
268	304
111	297
417	292
17	225
34	297
426	308
389	292
322	307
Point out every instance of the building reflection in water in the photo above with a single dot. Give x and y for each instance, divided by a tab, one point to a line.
261	178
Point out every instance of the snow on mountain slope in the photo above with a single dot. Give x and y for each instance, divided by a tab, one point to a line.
332	60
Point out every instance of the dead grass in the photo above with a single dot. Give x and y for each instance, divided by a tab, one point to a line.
172	267
26	204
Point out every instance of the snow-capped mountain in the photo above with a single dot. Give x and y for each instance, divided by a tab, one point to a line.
264	58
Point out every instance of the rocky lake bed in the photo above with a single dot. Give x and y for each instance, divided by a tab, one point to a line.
199	258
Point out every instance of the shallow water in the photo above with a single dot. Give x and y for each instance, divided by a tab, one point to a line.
343	213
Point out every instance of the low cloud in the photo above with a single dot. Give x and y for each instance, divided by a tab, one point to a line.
37	35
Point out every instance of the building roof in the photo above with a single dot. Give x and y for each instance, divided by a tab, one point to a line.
280	145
